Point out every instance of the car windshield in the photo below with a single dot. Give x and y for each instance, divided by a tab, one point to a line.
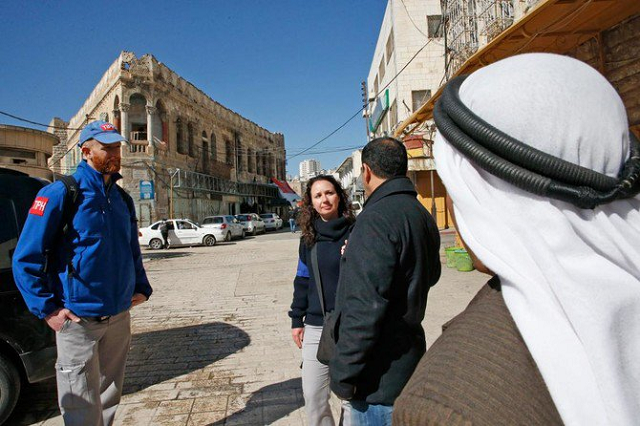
266	216
244	217
210	220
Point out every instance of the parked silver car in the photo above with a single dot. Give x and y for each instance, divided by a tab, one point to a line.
228	225
252	223
271	221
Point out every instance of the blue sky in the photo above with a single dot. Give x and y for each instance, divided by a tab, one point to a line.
291	66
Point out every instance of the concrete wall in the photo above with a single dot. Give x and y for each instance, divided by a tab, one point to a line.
19	142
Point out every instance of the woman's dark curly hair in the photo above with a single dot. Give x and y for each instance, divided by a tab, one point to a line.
308	214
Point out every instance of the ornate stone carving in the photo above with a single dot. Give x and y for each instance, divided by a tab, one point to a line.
151	110
124	107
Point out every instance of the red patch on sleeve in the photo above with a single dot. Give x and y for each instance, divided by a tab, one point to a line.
38	206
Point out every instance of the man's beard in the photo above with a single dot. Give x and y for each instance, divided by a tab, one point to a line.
108	166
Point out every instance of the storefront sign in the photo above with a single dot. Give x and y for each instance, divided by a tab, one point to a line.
381	108
146	190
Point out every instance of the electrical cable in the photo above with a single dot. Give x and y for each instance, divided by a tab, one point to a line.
36	123
363	107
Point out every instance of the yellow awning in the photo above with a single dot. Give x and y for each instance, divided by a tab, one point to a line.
553	26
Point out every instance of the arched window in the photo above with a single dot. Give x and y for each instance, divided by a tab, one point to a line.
205	152
213	147
250	165
229	152
182	149
160	128
192	148
138	117
116	113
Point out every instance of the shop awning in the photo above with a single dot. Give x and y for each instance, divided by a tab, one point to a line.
553	26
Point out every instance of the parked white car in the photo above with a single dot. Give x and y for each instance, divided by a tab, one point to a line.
271	221
182	232
252	223
228	226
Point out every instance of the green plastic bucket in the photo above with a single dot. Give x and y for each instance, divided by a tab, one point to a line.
451	256
463	261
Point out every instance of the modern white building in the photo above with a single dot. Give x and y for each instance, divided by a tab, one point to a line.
407	68
408	27
309	168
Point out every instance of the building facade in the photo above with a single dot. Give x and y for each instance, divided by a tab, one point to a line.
308	169
27	150
398	84
604	34
188	156
349	173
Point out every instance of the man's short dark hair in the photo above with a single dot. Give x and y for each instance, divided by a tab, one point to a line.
387	157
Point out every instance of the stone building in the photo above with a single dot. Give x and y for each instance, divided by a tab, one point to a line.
26	150
188	155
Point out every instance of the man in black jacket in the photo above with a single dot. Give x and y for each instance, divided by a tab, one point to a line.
390	262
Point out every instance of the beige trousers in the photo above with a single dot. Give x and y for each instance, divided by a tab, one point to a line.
90	368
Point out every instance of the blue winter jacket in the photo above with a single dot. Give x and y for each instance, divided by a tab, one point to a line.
102	249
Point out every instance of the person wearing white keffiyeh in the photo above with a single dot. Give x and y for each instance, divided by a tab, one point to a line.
570	276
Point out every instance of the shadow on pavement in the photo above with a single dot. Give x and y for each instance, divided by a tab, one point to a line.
268	404
155	356
164	255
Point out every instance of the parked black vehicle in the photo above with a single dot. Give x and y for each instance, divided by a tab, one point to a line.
27	344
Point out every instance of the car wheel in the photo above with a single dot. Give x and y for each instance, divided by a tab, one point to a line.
227	237
9	387
156	244
209	240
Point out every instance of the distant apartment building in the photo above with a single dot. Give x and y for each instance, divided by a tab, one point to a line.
308	169
188	155
27	150
348	173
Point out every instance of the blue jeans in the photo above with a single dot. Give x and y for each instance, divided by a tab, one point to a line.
292	225
359	413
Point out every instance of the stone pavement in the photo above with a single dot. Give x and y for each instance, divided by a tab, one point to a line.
213	345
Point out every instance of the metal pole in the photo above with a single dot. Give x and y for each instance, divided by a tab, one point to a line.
434	211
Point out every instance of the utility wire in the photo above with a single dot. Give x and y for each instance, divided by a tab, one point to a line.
363	107
36	123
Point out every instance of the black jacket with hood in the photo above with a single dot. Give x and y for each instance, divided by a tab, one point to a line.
391	261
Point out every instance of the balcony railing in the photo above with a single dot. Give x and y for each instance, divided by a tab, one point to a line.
139	148
185	179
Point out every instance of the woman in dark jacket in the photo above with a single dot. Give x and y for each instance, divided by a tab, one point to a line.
325	221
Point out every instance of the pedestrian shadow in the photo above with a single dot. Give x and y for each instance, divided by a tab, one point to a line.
268	404
164	255
155	356
158	356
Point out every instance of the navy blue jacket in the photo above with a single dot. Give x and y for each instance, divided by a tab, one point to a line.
102	246
305	308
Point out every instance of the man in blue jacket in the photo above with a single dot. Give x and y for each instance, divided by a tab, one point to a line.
84	281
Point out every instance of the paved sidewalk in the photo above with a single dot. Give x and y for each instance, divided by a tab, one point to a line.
213	345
